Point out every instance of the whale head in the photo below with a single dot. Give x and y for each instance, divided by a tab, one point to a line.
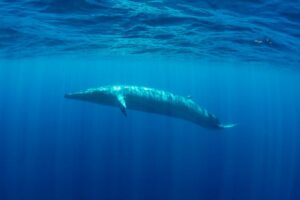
96	95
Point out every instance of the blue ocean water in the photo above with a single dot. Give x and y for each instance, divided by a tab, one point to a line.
237	59
251	30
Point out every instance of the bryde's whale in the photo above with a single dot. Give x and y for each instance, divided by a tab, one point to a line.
150	100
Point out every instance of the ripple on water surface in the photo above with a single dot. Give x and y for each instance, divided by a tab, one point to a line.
216	29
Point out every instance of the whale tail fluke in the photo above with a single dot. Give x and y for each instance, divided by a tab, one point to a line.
225	126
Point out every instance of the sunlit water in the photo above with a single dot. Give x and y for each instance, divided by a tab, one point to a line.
252	30
241	67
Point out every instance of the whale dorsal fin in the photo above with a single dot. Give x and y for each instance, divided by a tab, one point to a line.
122	104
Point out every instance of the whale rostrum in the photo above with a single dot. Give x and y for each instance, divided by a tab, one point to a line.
150	100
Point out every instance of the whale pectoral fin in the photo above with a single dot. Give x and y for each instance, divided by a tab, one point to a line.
122	104
123	110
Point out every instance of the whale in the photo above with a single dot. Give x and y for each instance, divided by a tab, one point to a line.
150	100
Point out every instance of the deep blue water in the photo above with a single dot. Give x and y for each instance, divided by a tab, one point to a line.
239	60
